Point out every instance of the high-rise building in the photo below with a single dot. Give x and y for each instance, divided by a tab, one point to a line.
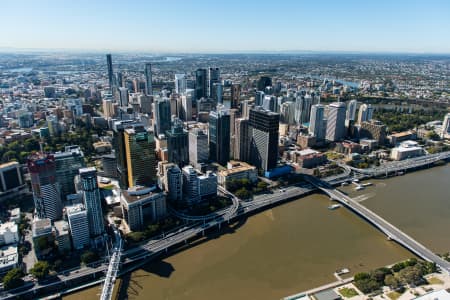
351	110
235	95
174	186
162	116
264	126
317	124
263	82
180	83
241	140
214	77
177	144
186	105
123	97
287	112
119	79
92	200
374	130
365	113
446	127
219	136
145	103
110	71
302	108
198	147
46	190
79	225
119	146
201	86
67	165
259	98
190	185
108	108
218	92
148	79
336	121
140	156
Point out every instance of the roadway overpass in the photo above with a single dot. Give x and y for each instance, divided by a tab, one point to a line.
392	232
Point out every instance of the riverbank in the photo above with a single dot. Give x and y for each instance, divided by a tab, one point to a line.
305	242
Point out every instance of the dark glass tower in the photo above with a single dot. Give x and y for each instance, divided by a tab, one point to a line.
110	71
219	136
177	144
201	86
214	77
162	116
148	79
264	138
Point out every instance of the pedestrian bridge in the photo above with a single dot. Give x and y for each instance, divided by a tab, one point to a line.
392	232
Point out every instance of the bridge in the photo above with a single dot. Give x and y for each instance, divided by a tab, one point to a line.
403	165
113	268
392	232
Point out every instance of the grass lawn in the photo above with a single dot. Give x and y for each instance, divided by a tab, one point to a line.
434	280
348	292
394	295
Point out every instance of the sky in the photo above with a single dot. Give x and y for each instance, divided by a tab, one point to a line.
225	26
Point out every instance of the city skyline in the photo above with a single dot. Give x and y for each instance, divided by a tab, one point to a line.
202	27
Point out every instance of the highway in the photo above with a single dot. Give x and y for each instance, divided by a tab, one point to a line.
387	228
139	255
402	165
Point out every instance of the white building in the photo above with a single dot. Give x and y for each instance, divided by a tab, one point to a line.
446	127
79	225
407	149
336	121
237	170
317	124
141	205
9	233
180	83
351	110
9	258
365	113
198	147
207	185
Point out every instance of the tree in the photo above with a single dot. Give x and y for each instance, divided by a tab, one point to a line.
242	193
262	185
13	279
88	257
391	281
40	270
411	275
41	243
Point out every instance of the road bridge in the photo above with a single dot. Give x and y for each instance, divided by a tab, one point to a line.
392	232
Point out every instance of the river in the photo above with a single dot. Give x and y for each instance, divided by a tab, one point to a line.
298	245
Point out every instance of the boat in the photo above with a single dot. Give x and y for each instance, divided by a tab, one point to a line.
342	271
355	180
367	184
344	183
359	187
334	206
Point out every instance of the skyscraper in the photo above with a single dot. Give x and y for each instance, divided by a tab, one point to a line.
92	200
140	156
214	77
67	165
365	113
264	82
180	83
201	86
336	121
198	147
264	126
235	95
162	116
302	108
186	105
259	98
79	225
174	187
119	146
242	138
148	79
110	71
317	125
219	136
46	190
351	110
123	97
177	144
446	126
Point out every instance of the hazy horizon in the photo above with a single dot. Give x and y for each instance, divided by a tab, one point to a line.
418	27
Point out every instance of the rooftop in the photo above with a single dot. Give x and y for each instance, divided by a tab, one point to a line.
9	255
138	193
